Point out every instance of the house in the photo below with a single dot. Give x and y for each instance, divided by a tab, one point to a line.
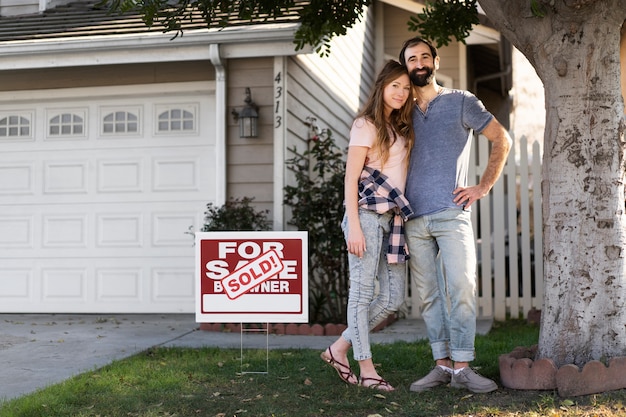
114	137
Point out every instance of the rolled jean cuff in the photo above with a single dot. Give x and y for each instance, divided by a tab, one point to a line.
347	336
463	355
440	350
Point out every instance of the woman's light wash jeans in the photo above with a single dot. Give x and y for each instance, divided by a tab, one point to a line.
366	310
445	240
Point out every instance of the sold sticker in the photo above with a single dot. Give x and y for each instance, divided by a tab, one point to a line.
252	274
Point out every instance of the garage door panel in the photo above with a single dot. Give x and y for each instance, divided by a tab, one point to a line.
16	178
17	231
65	231
119	285
16	283
96	217
125	285
64	284
65	177
103	177
123	229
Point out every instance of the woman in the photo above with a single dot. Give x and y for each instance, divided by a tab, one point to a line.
380	140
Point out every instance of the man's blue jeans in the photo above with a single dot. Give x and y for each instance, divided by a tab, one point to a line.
366	309
443	272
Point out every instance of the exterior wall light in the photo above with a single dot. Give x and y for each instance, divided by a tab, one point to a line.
247	118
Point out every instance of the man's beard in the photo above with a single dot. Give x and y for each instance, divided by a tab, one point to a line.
421	80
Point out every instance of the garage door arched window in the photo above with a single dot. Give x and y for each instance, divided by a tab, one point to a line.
120	123
66	124
176	120
15	126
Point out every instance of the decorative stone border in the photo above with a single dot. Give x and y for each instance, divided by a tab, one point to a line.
518	370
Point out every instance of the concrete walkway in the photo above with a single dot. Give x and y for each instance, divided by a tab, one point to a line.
37	350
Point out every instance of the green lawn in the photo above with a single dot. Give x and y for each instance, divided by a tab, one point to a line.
209	382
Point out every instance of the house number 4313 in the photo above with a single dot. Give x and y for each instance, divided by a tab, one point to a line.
278	96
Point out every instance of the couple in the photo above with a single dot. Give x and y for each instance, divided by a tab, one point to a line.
406	178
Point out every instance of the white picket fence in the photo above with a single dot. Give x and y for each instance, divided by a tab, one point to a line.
507	225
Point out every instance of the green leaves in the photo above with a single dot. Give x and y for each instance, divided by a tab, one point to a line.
537	8
446	19
235	214
316	202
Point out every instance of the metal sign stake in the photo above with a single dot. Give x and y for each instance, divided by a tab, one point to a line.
266	330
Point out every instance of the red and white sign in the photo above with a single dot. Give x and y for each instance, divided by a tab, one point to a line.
252	277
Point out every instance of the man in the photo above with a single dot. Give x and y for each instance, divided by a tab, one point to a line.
440	232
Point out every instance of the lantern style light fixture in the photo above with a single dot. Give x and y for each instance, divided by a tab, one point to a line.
247	118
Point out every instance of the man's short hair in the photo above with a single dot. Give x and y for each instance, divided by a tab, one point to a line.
415	41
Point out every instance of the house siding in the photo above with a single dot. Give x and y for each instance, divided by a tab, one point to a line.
333	88
22	7
330	89
18	7
250	160
395	30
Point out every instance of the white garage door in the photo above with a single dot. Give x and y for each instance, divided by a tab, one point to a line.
98	189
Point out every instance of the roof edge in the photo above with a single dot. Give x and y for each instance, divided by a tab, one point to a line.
254	40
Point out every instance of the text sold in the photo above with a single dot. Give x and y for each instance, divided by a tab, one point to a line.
252	274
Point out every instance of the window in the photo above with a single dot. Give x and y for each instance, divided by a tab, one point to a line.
14	126
66	124
120	122
176	120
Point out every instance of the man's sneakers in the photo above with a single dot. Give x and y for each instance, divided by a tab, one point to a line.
470	380
467	379
438	376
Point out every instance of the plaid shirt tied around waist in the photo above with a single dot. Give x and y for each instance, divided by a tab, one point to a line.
377	194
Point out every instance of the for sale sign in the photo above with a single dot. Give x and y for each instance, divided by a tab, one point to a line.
252	277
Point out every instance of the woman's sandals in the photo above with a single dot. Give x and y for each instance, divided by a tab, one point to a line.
379	384
343	370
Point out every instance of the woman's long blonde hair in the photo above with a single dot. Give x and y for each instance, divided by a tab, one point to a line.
400	121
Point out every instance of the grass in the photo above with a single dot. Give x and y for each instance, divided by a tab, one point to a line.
209	382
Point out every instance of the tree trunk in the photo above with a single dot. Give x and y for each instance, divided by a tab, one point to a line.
622	57
575	48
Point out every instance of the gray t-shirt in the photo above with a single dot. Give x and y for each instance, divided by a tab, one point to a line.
440	156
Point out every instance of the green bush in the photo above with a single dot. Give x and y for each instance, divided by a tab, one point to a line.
317	207
234	215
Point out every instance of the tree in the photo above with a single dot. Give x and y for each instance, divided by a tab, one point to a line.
574	46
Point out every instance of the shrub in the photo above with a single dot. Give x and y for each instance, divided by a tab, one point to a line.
235	214
317	207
